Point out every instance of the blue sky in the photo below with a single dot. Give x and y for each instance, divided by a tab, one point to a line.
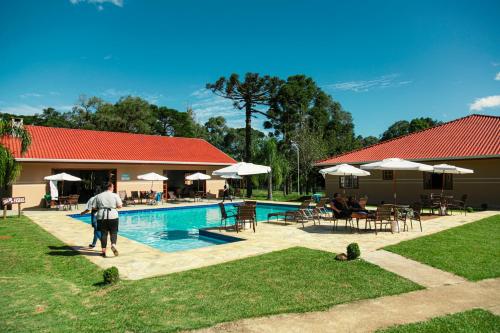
383	60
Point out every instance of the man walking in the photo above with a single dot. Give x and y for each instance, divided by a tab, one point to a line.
106	204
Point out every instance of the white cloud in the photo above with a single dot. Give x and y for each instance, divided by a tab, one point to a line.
384	81
108	57
208	105
99	3
28	95
485	102
497	77
152	98
28	110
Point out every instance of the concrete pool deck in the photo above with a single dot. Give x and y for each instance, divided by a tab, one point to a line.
138	261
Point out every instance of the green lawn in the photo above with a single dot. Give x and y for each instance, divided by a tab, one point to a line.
46	287
259	194
471	250
474	321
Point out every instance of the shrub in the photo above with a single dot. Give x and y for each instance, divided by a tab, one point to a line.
353	251
484	206
111	275
469	210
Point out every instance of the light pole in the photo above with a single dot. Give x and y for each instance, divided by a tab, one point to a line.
296	146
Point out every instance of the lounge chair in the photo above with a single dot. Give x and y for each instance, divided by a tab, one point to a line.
125	199
172	196
320	211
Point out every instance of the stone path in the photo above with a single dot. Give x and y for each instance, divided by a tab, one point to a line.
422	274
138	261
373	314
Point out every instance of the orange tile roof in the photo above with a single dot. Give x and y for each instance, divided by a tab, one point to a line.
474	136
63	144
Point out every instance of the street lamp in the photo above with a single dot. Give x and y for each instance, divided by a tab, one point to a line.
296	147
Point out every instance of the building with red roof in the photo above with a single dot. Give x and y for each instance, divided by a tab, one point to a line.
100	156
471	142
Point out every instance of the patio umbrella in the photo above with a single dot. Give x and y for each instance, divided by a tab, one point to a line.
242	169
152	176
63	176
198	176
233	176
396	164
245	169
449	169
344	170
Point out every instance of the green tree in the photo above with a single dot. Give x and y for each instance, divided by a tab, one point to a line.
404	127
53	118
248	95
216	132
9	168
129	114
83	113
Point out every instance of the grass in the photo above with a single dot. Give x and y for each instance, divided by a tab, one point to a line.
260	194
47	287
471	250
473	321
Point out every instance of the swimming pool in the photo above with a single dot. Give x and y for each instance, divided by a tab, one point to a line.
177	228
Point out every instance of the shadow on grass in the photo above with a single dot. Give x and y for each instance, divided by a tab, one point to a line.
71	251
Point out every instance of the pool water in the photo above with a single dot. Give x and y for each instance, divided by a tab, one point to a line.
177	228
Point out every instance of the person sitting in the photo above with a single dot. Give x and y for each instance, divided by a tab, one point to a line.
339	207
357	206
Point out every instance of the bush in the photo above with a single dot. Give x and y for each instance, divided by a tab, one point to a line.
111	275
353	251
469	210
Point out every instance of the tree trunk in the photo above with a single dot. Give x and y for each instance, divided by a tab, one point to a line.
270	186
248	141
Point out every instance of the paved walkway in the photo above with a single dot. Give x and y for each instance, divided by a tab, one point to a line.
422	274
138	261
373	314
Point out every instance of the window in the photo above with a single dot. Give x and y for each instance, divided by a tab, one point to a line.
348	182
434	181
387	175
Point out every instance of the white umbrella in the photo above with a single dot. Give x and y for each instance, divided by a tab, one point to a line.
449	169
152	176
198	176
395	164
63	176
242	169
231	176
245	169
344	170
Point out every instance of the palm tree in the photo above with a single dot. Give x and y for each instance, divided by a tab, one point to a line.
9	168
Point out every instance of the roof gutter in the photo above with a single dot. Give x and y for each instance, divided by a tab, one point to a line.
418	159
23	159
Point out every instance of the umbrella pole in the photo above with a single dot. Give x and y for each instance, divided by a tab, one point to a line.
442	185
394	186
